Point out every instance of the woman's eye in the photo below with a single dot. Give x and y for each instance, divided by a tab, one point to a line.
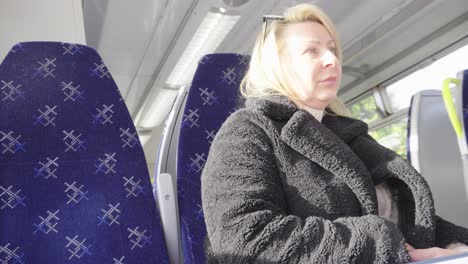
334	50
312	51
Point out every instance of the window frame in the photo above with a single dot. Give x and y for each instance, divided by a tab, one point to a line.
389	120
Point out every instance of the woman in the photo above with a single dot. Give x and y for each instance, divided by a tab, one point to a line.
289	180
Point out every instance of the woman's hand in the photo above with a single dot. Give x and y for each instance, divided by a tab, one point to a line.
429	253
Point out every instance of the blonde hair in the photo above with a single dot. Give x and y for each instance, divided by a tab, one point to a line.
265	76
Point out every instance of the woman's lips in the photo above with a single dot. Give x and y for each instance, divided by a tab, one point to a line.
329	80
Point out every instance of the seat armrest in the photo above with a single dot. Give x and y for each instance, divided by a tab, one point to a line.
167	202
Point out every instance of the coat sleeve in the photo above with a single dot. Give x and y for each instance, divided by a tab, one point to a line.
383	164
246	214
447	233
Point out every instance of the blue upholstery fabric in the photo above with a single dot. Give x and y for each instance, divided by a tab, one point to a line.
464	74
212	97
74	184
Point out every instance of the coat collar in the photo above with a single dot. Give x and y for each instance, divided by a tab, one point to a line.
281	108
275	106
324	143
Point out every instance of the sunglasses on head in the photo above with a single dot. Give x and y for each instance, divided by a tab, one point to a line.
267	18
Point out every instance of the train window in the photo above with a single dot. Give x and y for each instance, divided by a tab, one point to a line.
393	136
430	77
389	131
388	123
365	109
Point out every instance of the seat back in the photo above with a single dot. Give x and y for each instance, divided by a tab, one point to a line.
213	96
434	152
461	103
74	183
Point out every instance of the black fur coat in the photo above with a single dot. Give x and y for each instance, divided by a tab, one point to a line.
280	187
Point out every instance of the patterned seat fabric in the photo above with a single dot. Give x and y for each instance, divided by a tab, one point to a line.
74	184
213	96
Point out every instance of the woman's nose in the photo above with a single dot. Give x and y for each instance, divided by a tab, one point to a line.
329	59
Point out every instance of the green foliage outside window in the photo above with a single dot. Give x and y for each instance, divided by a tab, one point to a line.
365	110
392	136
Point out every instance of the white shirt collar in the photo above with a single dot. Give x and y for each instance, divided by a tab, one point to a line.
318	114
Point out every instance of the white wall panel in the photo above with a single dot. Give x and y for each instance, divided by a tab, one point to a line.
44	20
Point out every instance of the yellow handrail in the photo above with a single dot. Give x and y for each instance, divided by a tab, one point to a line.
450	107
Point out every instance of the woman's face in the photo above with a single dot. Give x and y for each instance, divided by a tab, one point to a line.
310	64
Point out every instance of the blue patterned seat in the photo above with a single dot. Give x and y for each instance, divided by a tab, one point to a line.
74	184
213	96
